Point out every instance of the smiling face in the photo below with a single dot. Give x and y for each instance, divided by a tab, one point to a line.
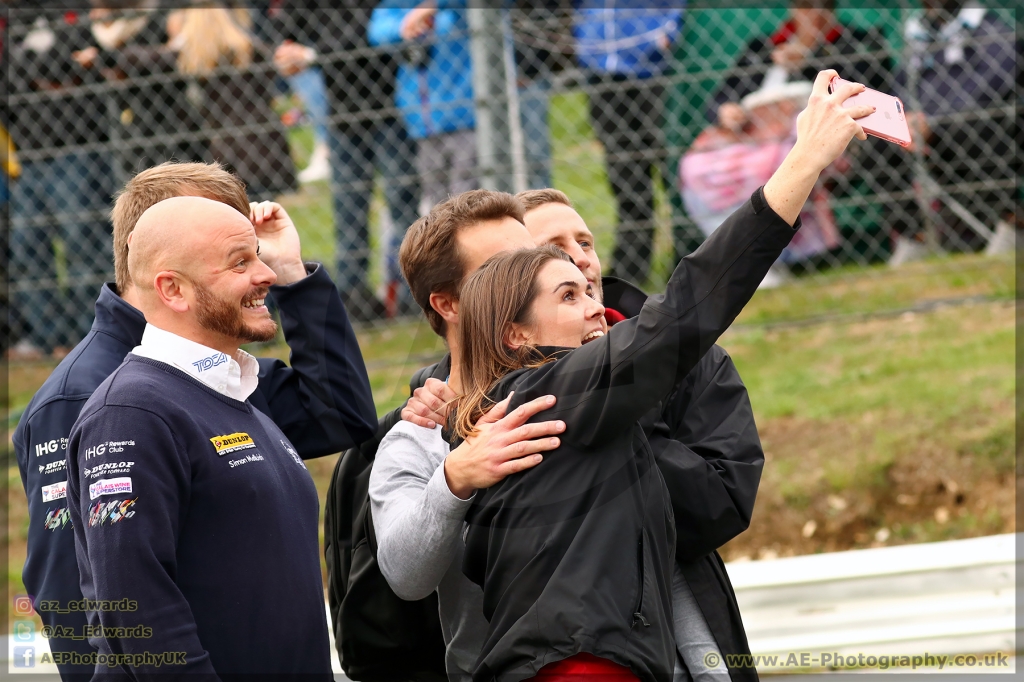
560	225
231	283
563	313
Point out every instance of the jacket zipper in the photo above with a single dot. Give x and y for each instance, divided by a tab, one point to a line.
637	615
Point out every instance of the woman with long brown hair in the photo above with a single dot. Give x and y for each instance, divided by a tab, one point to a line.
228	86
575	555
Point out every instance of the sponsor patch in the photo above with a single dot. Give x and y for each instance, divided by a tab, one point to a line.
108	469
53	467
51	447
111	512
109	446
210	362
233	442
295	455
55	491
110	486
57	518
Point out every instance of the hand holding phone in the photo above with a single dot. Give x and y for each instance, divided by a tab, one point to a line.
889	121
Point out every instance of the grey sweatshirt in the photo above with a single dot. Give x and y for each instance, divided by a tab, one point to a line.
419	525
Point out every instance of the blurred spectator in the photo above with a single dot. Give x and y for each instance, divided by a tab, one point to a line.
60	241
311	89
229	83
542	40
9	172
753	123
625	47
723	163
365	137
150	120
810	40
434	91
963	61
287	23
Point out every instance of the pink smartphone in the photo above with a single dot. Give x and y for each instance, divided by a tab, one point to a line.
889	121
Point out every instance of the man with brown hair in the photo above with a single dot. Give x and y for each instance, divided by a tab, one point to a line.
379	634
322	402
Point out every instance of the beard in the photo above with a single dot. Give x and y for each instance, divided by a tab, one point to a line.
222	317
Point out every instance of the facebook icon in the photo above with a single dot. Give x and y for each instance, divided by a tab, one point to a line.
24	657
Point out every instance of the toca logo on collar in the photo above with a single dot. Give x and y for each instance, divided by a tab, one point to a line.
210	362
233	442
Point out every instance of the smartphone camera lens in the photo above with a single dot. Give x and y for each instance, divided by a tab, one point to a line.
898	107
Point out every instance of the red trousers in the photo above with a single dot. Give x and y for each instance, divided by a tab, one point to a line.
584	668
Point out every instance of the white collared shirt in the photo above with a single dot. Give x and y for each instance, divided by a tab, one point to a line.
235	377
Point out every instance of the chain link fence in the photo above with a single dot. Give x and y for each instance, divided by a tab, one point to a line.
656	119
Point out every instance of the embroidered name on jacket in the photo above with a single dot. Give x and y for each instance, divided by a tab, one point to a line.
232	442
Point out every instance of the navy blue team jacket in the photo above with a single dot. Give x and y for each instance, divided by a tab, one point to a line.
322	403
195	523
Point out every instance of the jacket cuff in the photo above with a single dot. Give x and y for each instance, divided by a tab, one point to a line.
759	204
315	272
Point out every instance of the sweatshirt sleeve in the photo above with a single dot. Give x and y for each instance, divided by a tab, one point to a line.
385	26
710	457
322	401
417	519
612	381
127	526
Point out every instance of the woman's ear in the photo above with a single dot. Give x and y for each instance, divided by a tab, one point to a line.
517	336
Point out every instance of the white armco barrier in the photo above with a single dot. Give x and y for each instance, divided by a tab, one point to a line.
938	599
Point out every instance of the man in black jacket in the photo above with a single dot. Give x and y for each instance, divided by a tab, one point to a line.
322	402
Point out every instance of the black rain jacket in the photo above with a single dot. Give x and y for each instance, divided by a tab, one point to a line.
576	555
706	446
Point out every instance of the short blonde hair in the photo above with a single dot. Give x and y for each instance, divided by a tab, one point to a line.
171	179
532	198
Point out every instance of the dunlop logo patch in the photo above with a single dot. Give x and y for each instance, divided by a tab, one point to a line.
233	442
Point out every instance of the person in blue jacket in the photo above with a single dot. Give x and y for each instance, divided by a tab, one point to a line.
321	402
624	46
434	90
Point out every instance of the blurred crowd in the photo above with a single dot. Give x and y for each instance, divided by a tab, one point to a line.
387	91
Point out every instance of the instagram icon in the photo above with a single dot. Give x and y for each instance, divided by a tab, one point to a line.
23	605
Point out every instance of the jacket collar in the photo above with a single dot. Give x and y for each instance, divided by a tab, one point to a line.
117	318
622	297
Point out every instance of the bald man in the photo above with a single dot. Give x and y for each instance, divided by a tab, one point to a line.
320	398
195	519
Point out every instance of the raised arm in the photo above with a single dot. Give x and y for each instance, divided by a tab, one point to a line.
614	380
322	401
